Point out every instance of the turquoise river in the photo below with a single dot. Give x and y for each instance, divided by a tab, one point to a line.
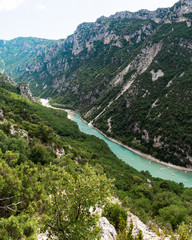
131	158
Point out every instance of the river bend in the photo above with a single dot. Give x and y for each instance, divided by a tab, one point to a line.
138	162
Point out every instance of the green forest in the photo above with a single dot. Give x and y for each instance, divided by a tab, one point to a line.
43	192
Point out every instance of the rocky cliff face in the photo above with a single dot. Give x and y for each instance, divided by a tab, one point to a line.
7	79
48	62
21	88
26	92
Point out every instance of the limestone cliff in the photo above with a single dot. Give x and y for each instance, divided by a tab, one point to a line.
7	79
26	92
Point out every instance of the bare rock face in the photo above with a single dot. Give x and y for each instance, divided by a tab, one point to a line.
14	130
108	231
177	13
156	75
59	152
26	92
186	7
147	233
6	79
140	63
43	236
1	113
99	31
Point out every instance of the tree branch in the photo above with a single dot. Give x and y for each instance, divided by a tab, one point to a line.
9	206
2	199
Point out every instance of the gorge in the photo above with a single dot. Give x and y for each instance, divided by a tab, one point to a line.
128	74
168	172
115	135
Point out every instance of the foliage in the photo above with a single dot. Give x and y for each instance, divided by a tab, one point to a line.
68	214
134	112
116	215
173	214
20	227
30	172
185	232
127	235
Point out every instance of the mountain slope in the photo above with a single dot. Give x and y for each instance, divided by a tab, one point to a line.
44	154
152	111
22	55
148	104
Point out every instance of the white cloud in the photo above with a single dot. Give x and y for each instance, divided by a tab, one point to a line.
41	6
9	5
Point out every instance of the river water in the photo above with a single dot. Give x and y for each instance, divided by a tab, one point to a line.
131	158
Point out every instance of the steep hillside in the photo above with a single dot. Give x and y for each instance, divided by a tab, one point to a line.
22	55
5	79
141	95
129	75
57	61
152	109
21	88
43	154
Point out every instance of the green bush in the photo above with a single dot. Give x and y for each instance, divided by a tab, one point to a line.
116	215
175	215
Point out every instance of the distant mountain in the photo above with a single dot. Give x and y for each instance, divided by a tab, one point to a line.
129	75
22	55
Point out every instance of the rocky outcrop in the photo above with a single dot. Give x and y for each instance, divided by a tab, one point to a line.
183	7
23	88
145	58
42	236
88	33
178	12
140	63
59	152
16	131
148	234
108	231
7	79
138	225
156	75
143	14
26	92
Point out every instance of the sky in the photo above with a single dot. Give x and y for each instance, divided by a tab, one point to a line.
57	19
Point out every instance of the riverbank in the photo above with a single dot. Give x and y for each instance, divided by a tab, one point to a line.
144	155
45	102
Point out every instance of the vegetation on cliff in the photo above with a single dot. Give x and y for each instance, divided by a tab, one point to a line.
35	181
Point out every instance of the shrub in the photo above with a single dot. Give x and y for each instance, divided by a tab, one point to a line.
116	215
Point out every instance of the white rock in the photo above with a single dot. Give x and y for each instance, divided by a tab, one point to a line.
42	236
139	225
1	113
108	231
60	152
156	75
